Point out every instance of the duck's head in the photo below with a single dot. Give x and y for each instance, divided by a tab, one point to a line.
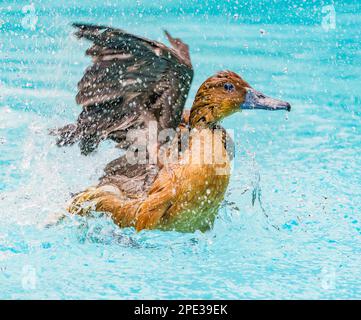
226	93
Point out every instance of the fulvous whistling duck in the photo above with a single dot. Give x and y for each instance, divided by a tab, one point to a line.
133	86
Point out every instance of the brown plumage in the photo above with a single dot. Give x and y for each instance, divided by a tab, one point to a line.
132	84
132	81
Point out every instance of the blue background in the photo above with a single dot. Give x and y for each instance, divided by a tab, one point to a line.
301	239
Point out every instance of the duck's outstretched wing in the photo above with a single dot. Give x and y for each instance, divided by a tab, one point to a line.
132	81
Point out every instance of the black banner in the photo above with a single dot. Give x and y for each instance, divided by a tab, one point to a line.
176	309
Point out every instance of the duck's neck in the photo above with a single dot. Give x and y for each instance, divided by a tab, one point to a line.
202	114
207	111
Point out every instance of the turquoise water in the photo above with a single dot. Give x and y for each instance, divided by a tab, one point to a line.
302	236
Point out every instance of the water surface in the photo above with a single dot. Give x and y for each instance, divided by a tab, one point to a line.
302	236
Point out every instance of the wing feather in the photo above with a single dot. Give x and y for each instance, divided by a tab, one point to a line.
132	81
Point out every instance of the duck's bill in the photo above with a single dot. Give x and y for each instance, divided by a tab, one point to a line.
257	100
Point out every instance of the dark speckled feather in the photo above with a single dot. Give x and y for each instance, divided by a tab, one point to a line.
132	81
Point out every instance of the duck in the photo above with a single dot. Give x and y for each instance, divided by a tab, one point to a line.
175	165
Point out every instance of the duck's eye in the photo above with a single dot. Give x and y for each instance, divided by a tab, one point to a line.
228	87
